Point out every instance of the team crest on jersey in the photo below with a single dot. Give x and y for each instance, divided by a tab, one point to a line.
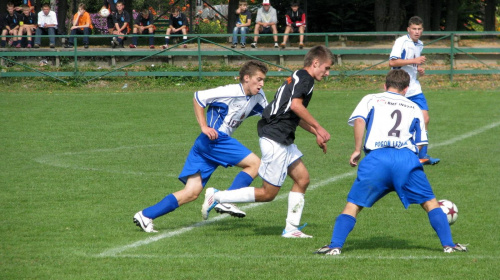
381	101
289	80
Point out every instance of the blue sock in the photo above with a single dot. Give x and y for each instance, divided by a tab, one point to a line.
440	224
343	226
134	39
166	205
151	40
3	43
120	41
241	180
423	152
166	41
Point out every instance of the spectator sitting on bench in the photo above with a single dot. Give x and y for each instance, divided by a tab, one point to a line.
295	22
11	26
265	23
28	23
178	25
144	25
47	24
121	20
82	24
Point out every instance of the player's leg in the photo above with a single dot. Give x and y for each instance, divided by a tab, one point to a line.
300	176
134	38
167	38
285	37
4	39
256	31
236	30
302	29
275	37
184	37
421	101
151	33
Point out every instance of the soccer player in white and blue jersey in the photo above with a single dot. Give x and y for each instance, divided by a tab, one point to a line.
395	132
406	55
227	107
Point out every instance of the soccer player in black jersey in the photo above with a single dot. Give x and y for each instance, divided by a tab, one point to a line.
280	156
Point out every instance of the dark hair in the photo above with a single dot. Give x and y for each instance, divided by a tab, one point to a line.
294	4
251	67
415	20
82	6
398	79
321	53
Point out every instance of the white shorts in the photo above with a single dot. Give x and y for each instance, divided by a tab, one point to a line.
276	158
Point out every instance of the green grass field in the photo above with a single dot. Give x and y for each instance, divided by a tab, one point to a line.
76	165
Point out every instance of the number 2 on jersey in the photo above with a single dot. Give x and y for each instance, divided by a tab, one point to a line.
394	131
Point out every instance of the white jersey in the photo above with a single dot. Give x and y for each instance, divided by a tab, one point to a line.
392	120
405	48
229	106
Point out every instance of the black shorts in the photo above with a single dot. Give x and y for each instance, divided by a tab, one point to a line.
266	30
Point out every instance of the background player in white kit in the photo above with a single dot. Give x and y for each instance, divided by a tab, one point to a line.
280	156
227	106
394	132
406	55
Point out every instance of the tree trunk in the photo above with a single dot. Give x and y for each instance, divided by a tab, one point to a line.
489	15
380	15
451	15
3	6
62	15
395	17
231	15
423	10
437	5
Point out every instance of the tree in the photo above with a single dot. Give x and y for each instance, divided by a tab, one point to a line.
380	14
396	16
423	10
437	6
62	15
451	15
489	15
231	15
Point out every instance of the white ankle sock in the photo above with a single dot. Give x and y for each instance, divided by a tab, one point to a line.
240	195
295	207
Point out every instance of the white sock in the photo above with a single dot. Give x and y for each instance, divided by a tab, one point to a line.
295	207
246	194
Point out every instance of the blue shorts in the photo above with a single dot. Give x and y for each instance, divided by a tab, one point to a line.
206	155
420	100
385	170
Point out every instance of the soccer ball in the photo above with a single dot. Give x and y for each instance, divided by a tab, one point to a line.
450	209
104	13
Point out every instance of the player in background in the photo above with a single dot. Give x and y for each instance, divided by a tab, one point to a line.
28	22
295	22
227	107
144	25
11	26
406	55
178	25
111	6
395	131
122	25
280	156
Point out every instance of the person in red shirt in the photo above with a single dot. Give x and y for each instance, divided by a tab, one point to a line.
295	22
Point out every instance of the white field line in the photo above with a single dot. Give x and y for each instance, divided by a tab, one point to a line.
113	252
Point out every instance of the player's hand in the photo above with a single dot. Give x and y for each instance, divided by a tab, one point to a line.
421	71
210	133
420	60
323	133
321	143
356	155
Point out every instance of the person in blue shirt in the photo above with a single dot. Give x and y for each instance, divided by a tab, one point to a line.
395	131
227	107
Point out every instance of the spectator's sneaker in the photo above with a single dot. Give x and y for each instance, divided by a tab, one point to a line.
18	46
10	43
185	46
112	44
328	251
52	46
132	46
243	45
458	248
301	46
276	45
209	203
145	223
86	46
165	47
296	233
283	45
233	46
253	45
229	208
152	47
427	160
36	46
29	46
115	41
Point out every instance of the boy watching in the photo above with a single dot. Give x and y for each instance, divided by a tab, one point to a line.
11	26
144	25
243	21
82	24
28	23
265	23
295	22
178	25
121	20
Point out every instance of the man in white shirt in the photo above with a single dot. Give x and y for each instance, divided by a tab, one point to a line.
265	23
47	24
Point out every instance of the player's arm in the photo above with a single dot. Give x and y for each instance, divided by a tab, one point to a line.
399	62
359	131
199	112
319	140
298	108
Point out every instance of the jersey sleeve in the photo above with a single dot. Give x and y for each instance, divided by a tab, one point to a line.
397	49
302	85
361	111
207	97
